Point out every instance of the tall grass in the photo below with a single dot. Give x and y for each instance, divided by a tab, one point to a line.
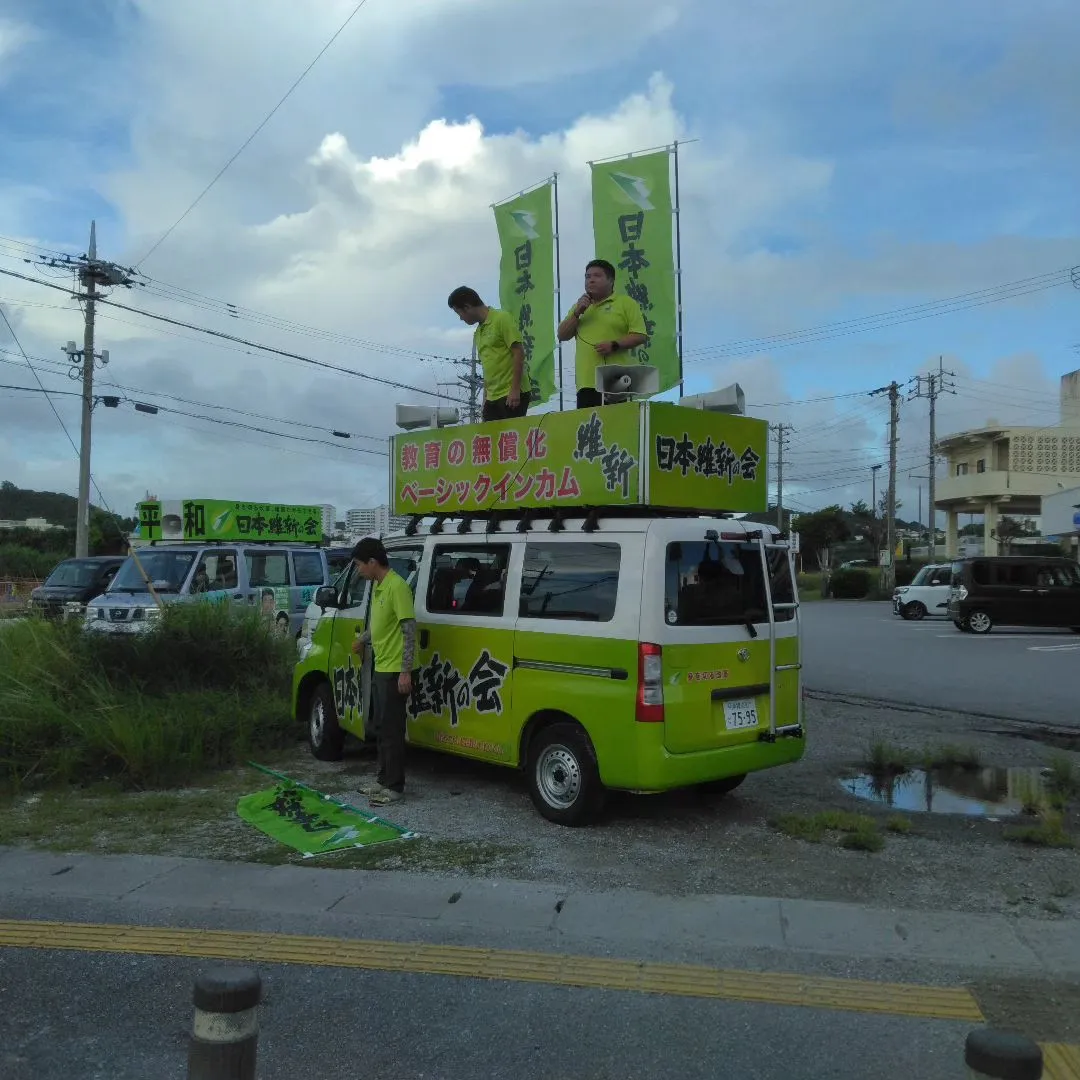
206	687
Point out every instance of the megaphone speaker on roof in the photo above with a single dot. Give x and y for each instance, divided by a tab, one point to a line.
410	417
624	382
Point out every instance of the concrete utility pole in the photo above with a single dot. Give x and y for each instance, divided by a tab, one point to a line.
888	577
931	386
783	433
92	274
472	383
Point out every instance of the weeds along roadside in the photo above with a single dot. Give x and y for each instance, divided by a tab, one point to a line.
205	688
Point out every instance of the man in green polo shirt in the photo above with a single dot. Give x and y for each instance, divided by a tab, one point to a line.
605	323
391	632
502	356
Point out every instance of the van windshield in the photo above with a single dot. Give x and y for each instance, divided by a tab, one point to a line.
925	574
165	569
710	583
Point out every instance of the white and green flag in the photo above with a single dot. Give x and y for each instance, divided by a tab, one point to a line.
633	230
527	283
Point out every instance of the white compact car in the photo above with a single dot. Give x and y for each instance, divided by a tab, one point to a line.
928	593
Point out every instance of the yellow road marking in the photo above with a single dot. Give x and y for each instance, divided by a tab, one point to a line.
812	991
1060	1061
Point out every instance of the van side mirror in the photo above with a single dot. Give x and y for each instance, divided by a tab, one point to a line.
326	596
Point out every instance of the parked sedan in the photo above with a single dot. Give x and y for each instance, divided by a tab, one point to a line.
73	584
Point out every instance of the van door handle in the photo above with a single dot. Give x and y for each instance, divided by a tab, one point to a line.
424	638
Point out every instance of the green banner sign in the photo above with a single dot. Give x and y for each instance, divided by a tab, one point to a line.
706	460
215	519
672	457
632	229
579	458
527	284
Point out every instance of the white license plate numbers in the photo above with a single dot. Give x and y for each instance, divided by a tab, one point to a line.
741	714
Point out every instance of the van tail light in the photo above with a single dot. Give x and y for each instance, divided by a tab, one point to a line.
650	694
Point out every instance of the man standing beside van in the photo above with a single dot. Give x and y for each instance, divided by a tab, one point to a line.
605	323
391	633
502	355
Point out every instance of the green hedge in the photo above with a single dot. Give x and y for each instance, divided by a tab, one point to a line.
204	689
850	584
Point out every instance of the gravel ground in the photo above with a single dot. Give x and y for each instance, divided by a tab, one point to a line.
684	842
478	820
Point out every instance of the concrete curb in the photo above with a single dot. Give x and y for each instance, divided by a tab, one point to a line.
624	918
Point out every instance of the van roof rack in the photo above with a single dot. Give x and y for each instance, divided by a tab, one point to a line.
556	517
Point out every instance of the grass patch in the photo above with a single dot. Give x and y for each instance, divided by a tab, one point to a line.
424	854
857	831
1062	778
1050	832
883	759
899	825
207	688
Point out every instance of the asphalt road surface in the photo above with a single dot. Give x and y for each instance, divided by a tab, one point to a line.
864	650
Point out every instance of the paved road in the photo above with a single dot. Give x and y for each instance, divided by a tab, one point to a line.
864	650
372	991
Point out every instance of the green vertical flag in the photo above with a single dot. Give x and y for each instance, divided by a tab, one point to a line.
632	229
527	284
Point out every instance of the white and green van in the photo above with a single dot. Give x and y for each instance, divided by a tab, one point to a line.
578	615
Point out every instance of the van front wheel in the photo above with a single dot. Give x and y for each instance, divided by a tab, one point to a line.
564	781
325	736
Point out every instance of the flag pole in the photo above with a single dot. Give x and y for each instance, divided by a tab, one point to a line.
678	274
558	284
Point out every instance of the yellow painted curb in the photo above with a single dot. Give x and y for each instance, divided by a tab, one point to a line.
811	991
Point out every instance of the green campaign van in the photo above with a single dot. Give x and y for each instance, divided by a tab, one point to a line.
612	645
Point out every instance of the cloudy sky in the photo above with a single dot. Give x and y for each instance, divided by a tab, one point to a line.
851	159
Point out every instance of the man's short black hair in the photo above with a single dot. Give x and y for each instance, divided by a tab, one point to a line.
369	548
601	264
463	297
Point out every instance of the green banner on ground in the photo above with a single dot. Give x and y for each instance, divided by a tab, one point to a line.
311	823
527	283
633	229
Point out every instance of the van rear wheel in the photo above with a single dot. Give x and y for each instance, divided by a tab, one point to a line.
563	777
980	623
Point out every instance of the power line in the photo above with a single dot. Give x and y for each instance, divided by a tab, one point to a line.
219	334
247	142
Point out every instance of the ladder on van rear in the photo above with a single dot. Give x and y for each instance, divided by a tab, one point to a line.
791	730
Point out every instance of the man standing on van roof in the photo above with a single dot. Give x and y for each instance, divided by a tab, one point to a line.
392	634
605	324
502	355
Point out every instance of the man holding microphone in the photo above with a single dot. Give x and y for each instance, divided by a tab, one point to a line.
605	323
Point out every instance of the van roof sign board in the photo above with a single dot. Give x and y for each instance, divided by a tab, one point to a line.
635	454
225	520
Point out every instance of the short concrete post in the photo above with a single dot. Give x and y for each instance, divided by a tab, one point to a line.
1002	1056
225	1035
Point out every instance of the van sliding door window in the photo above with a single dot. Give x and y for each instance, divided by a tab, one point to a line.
709	583
468	580
570	581
267	568
307	567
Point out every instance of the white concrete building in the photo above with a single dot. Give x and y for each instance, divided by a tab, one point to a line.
1061	518
329	518
373	520
1001	471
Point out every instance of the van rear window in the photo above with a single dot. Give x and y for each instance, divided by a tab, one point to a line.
708	583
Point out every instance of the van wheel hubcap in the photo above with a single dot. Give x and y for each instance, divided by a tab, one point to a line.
558	776
979	622
317	723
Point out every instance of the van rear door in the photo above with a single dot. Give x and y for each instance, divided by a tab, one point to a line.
717	658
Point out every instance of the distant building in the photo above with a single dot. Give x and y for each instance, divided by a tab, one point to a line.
1061	518
1000	471
37	524
329	518
372	520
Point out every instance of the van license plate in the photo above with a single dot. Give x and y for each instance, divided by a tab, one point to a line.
740	714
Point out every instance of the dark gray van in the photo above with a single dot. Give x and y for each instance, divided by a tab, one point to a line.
1014	590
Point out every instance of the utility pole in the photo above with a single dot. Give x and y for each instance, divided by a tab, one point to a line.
783	433
472	382
888	577
91	273
931	386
